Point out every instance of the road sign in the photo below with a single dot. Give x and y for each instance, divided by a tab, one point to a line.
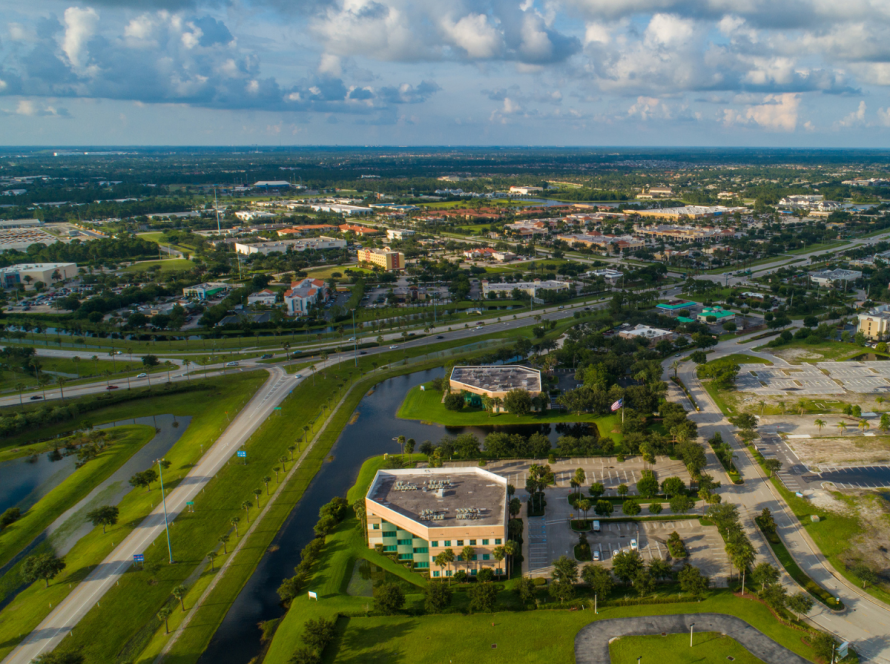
313	595
190	503
138	558
843	650
277	407
242	453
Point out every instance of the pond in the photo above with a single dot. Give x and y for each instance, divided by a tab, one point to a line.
237	640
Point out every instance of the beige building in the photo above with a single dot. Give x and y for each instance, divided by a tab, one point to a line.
875	324
30	273
495	381
418	513
388	260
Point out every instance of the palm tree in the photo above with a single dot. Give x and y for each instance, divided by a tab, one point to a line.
819	424
283	459
401	441
224	540
496	403
675	365
448	556
291	449
163	615
842	426
579	478
313	369
246	505
179	593
258	493
466	555
276	470
235	520
864	425
801	406
20	387
43	381
499	554
761	404
61	382
266	481
511	549
210	557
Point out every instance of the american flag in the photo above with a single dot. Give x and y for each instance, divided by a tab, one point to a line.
618	404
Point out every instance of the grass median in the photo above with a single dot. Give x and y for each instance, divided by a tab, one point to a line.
122	443
33	604
708	648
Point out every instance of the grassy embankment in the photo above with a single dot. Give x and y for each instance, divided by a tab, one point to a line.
708	648
207	409
823	351
521	635
167	266
84	368
123	442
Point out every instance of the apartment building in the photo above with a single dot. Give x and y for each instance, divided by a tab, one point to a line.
385	258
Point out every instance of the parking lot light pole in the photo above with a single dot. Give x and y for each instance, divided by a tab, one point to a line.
691	625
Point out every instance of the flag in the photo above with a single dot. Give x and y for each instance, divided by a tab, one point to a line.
618	404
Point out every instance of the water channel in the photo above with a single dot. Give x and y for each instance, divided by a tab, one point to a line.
237	640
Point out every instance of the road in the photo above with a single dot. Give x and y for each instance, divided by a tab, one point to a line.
65	616
864	621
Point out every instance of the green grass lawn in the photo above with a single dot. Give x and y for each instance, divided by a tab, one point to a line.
828	350
325	272
708	648
170	265
106	629
742	358
123	442
84	368
426	405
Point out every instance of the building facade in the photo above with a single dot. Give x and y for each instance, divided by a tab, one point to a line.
29	273
415	514
875	323
388	260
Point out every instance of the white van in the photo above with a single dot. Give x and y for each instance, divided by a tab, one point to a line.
596	526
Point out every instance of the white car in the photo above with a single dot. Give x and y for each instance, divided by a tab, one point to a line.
299	376
142	375
633	545
232	364
596	556
393	347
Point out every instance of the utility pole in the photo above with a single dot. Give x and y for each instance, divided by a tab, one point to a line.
354	340
164	503
216	205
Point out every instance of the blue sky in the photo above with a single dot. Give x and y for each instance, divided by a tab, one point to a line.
797	73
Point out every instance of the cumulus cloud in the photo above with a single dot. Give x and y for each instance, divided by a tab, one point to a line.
857	117
80	26
776	113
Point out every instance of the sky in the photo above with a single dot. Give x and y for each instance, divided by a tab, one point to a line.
777	73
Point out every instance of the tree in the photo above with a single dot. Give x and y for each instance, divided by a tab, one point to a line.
235	520
466	555
692	581
596	489
673	486
742	557
179	593
626	565
388	598
866	574
775	595
643	582
681	504
824	645
305	655
764	574
224	540
164	616
772	466
483	597
150	361
579	478
675	546
318	633
699	357
526	590
648	485
246	505
103	516
603	508
144	479
598	578
631	507
454	401
660	569
800	603
518	402
9	517
437	595
43	566
211	556
59	657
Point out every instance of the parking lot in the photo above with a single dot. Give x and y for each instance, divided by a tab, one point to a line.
822	378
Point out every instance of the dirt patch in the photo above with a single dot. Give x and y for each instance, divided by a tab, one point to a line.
796	355
837	451
828	502
871	547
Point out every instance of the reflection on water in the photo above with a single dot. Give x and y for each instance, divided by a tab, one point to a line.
25	481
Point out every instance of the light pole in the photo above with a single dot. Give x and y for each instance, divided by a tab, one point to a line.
164	503
691	625
354	340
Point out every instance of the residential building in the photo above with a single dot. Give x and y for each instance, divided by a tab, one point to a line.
385	258
495	381
652	334
719	313
306	228
283	246
206	290
359	230
398	234
265	297
30	273
418	513
830	277
875	323
530	288
302	295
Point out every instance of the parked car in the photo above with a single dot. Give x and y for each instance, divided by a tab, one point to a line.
233	363
267	356
596	555
299	376
633	545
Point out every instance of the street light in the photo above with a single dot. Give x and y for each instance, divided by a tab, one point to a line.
354	340
164	503
691	625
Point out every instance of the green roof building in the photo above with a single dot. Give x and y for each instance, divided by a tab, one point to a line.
722	315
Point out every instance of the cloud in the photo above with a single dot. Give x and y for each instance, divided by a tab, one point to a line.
409	94
776	113
80	26
36	108
857	117
647	108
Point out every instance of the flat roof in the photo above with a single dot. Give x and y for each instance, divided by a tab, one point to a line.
675	305
445	492
498	378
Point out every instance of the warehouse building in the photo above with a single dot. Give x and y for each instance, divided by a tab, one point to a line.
415	514
26	273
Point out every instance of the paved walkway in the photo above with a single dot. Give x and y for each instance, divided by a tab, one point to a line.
592	642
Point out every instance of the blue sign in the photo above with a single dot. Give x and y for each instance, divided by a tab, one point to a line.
138	558
242	453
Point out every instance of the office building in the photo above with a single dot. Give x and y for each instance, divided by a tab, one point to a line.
495	381
415	514
384	258
398	234
206	290
720	315
303	295
830	277
30	273
652	334
283	246
875	323
530	288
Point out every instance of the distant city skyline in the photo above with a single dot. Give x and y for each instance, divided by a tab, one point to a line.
806	73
